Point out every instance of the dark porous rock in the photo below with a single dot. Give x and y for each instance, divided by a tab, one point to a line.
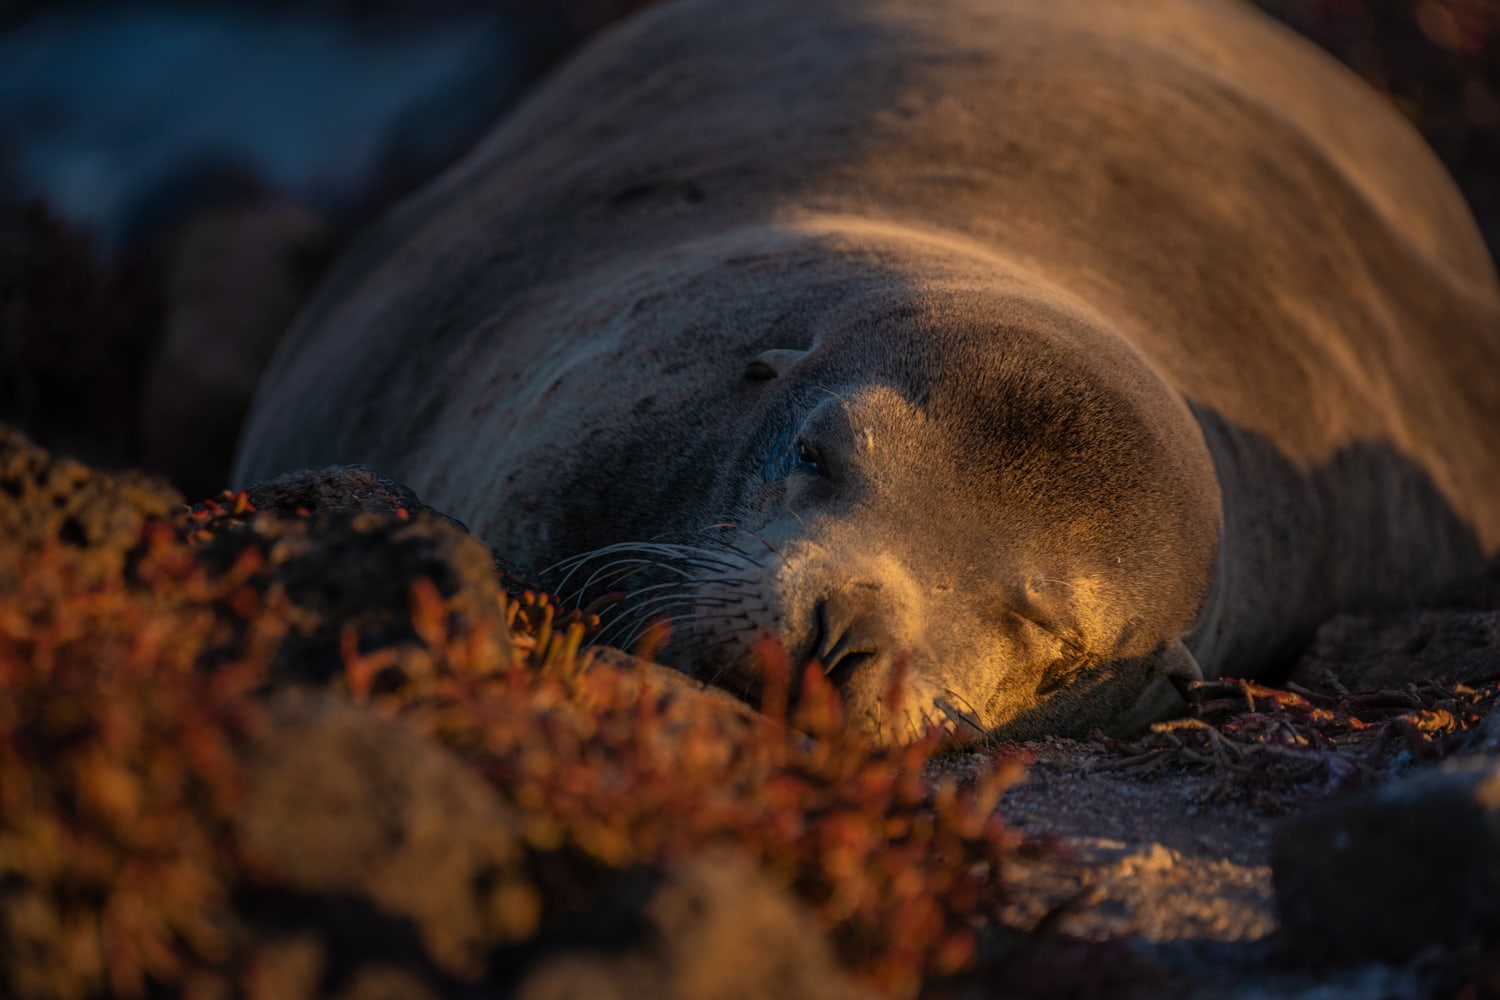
348	574
352	488
347	488
715	926
375	857
46	500
1378	652
1384	874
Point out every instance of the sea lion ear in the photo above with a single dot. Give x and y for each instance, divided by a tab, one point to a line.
1172	672
770	364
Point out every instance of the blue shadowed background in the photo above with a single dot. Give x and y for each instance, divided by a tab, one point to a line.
119	117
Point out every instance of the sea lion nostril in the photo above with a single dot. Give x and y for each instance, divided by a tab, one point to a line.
847	638
821	639
841	670
829	655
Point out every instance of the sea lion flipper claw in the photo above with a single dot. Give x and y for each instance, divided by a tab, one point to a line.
1169	673
1180	667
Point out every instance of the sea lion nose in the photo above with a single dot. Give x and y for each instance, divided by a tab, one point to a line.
852	631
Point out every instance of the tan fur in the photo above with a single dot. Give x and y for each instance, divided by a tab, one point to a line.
1267	300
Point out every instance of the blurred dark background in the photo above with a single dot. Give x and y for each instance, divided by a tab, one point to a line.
174	177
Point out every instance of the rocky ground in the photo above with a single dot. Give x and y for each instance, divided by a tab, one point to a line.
1235	852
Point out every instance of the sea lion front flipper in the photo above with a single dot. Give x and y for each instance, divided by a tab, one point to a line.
1173	671
1180	667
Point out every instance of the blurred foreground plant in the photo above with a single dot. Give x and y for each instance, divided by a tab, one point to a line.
127	704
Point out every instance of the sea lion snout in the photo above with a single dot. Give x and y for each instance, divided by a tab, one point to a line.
854	611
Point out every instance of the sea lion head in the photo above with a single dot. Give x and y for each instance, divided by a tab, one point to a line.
964	480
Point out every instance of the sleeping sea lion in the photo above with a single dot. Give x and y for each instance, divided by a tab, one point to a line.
1043	354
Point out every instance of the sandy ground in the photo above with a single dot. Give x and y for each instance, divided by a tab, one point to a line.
1166	874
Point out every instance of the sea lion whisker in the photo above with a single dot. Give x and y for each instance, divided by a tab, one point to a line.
678	623
624	628
716	558
624	631
735	526
604	550
627	568
578	563
673	588
630	610
705	616
718	566
743	614
615	572
573	563
744	558
670	592
637	616
967	714
702	639
639	549
640	616
735	582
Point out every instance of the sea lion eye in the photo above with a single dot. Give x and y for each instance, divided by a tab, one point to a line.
807	458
